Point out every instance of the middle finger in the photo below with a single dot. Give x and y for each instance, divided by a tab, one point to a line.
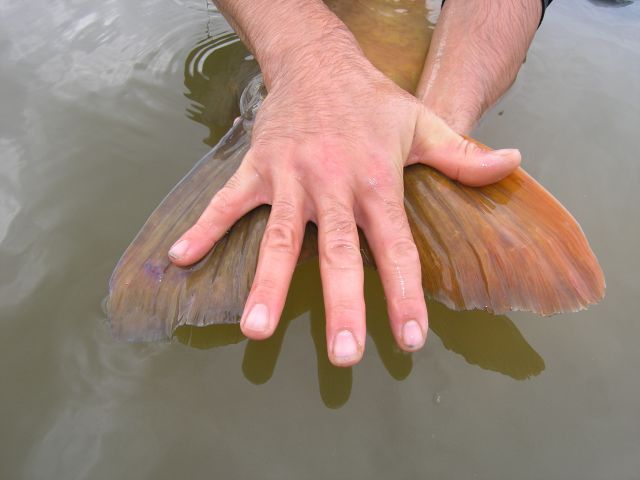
342	281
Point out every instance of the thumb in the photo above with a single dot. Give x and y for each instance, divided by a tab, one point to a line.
458	157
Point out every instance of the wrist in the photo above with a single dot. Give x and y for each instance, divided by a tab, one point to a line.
306	46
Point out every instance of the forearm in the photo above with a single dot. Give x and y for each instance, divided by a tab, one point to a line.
290	38
475	54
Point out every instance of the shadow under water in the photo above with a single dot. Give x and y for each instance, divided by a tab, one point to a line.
491	342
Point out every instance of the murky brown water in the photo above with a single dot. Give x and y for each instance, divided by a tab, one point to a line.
105	106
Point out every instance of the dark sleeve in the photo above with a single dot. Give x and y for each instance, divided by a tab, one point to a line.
545	4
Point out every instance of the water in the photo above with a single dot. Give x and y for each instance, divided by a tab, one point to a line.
106	106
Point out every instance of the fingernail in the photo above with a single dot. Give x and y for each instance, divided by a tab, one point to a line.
178	249
345	347
258	318
412	335
505	152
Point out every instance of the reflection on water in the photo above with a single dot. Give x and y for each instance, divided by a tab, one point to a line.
215	74
488	341
612	3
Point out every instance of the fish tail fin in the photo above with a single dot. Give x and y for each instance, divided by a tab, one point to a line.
149	296
503	247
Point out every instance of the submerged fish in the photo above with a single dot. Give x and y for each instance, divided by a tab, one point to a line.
504	247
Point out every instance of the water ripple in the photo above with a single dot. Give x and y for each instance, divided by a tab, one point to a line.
106	44
205	48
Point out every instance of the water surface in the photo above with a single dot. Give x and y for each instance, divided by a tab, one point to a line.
106	105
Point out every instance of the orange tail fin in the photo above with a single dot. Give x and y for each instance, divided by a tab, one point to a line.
507	246
503	247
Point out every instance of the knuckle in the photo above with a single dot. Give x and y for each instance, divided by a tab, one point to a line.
340	247
403	250
202	227
281	237
254	156
395	212
386	183
341	253
205	227
468	148
283	210
264	285
342	228
234	182
335	214
222	201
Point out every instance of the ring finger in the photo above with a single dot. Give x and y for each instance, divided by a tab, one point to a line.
388	233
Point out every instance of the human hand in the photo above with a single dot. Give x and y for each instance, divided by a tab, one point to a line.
329	145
